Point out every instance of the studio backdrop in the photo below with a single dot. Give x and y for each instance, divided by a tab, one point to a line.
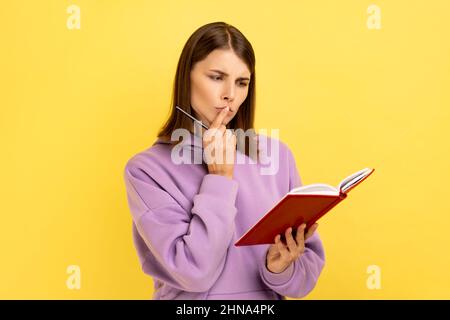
350	84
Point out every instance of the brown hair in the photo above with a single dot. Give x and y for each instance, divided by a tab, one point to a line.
212	36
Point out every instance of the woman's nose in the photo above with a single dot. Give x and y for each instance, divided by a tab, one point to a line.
228	92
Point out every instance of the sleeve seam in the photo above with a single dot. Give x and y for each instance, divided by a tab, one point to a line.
148	208
140	197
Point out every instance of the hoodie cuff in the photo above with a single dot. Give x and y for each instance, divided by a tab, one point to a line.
278	279
219	187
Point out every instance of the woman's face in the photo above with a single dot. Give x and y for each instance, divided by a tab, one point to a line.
219	80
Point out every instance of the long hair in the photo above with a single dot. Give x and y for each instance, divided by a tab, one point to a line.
212	36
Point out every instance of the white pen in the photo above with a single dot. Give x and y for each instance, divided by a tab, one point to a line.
187	114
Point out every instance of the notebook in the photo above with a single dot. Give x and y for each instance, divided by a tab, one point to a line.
305	204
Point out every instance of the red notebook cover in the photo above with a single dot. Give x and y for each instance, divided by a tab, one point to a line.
291	211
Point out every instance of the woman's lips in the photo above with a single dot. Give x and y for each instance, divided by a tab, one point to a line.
219	109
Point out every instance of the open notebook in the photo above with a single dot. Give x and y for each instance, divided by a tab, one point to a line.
303	204
344	186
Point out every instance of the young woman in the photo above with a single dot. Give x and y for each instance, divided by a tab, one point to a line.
188	215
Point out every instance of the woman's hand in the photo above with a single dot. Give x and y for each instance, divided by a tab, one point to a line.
280	256
219	146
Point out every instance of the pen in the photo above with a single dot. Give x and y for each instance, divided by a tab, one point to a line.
187	114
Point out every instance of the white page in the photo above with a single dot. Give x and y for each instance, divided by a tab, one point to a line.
317	188
353	179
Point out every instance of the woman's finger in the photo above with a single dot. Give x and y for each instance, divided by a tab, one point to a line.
230	152
214	133
311	231
292	245
301	235
218	120
282	248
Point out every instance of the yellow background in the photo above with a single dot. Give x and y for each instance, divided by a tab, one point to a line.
77	104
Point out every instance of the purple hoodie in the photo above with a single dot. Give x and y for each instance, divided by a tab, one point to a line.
186	221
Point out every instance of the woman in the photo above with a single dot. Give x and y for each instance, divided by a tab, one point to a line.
188	215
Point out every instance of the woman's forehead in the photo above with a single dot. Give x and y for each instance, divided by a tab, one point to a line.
225	61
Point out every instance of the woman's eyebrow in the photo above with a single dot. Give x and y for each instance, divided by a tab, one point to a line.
225	74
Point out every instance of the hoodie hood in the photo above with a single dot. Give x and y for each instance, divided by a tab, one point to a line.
190	140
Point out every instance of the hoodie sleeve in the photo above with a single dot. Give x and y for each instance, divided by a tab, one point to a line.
301	276
189	248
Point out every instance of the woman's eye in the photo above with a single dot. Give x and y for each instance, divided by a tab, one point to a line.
216	78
